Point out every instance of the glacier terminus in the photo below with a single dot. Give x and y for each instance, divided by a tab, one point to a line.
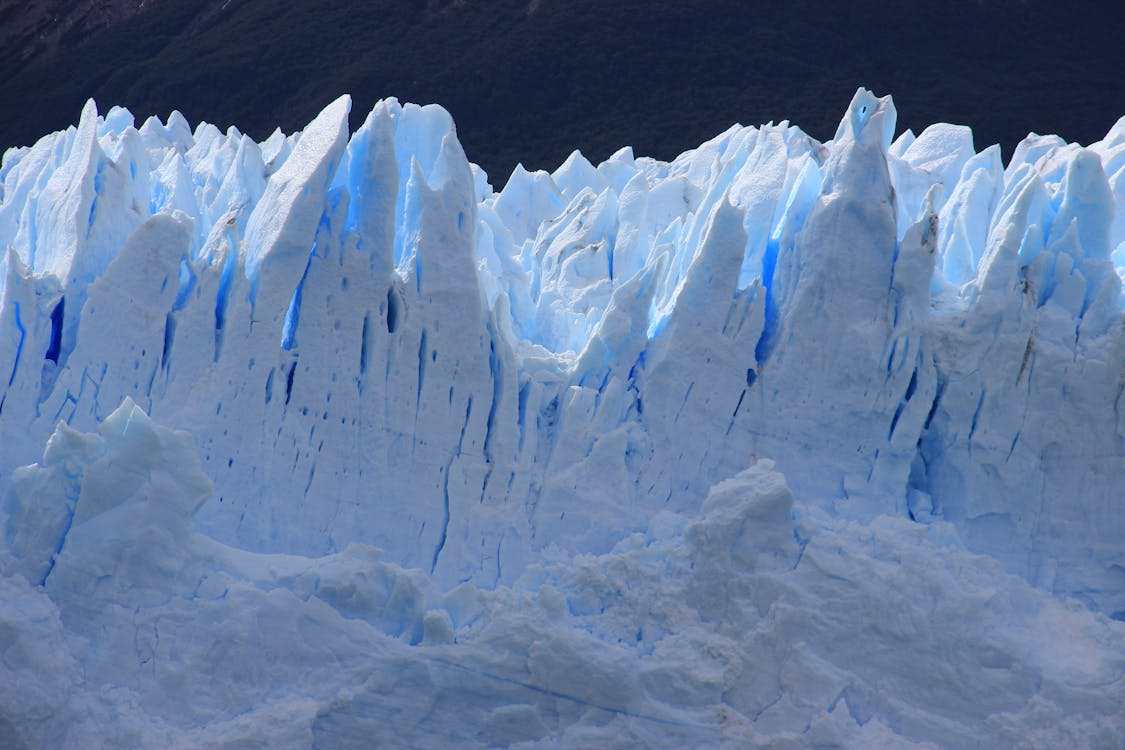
323	442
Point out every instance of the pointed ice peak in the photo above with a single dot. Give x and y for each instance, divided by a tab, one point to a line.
204	137
869	120
419	132
989	159
576	174
89	116
177	122
526	201
450	164
903	142
153	470
1013	226
64	214
272	144
1114	138
116	121
175	131
290	208
518	179
1088	201
858	163
482	189
619	168
275	150
128	422
622	333
377	128
623	155
1031	150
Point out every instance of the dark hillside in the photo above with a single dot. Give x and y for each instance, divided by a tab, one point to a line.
34	30
529	82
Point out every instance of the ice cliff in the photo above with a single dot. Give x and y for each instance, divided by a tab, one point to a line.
490	467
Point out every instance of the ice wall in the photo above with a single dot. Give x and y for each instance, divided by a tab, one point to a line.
371	346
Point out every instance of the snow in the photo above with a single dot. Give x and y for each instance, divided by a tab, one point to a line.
343	448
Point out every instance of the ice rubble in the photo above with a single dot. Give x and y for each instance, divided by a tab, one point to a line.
496	389
753	622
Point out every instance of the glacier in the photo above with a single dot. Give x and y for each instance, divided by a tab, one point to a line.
323	442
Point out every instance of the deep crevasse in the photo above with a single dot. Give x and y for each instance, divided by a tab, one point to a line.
370	345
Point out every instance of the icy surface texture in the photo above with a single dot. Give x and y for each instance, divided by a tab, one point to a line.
753	621
371	347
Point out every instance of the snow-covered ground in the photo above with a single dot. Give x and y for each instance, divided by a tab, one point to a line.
474	469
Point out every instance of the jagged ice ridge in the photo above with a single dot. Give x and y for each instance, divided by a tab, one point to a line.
549	409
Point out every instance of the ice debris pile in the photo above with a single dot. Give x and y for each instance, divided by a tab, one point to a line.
753	622
490	467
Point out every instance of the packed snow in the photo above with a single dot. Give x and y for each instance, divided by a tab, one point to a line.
321	442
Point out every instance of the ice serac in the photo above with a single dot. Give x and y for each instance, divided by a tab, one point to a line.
847	361
1052	341
373	347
